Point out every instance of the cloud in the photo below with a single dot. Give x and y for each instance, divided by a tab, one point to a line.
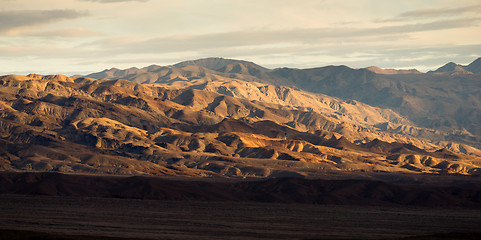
283	34
113	1
385	56
266	38
78	59
440	12
355	47
64	33
422	58
10	20
431	13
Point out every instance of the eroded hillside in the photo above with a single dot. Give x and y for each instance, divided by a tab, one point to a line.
440	107
83	125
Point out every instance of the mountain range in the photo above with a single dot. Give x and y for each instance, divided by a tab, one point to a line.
231	118
453	68
438	107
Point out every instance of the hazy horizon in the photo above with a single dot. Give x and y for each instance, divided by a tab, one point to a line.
83	36
76	73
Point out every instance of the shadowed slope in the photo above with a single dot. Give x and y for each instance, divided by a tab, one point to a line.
284	190
439	107
121	127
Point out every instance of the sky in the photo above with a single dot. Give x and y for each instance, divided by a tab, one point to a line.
84	36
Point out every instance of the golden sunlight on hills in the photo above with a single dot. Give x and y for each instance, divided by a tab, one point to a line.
56	123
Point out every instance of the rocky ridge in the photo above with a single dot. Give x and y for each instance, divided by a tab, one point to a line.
439	108
84	125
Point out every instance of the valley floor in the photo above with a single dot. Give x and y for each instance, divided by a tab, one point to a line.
54	217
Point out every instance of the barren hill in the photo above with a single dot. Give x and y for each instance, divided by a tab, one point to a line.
53	123
438	107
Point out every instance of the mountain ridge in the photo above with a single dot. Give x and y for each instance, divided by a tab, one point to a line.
121	127
217	63
213	63
392	71
432	101
454	68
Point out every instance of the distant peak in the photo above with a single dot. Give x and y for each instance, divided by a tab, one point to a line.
450	68
454	68
478	60
475	66
215	63
34	75
373	68
392	71
152	67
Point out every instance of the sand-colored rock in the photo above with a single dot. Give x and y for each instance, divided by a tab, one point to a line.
122	127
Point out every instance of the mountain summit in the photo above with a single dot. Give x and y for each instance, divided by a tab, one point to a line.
475	66
216	63
451	67
392	71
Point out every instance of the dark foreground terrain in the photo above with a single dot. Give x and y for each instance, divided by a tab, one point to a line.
374	190
61	206
47	217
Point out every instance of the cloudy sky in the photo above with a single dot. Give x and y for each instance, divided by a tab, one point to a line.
83	36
